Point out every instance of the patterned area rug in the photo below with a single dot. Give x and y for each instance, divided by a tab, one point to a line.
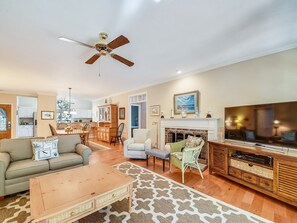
155	199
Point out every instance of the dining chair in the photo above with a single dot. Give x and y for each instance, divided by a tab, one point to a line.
53	130
118	136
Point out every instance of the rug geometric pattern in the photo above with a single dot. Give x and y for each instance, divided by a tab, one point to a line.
158	199
155	199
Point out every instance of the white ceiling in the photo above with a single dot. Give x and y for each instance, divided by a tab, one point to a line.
165	36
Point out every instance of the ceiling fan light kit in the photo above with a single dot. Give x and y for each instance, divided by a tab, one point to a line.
104	48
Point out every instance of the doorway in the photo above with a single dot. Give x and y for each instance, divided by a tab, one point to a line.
135	117
137	113
5	121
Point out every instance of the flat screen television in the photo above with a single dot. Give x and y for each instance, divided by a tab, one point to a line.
265	124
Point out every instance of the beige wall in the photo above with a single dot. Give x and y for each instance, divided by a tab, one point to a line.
10	99
267	79
45	103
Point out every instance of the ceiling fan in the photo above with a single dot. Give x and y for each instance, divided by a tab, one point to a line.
104	48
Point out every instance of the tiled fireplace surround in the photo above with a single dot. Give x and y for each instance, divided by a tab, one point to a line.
173	130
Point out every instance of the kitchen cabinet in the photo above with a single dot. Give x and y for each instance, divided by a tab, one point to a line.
83	113
26	112
25	130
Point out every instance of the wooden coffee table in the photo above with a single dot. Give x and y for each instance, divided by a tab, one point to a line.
69	195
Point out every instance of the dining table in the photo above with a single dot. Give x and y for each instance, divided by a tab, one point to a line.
84	135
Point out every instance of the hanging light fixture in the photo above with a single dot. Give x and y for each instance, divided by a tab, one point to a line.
71	111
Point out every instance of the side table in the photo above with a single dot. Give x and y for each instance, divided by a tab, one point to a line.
162	154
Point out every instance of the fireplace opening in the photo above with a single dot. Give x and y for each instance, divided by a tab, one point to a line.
177	134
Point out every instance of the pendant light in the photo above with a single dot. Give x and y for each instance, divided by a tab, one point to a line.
71	111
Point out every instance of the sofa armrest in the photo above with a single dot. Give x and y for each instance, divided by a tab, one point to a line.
127	142
4	163
148	144
84	151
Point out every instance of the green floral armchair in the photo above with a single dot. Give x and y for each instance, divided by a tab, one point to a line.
184	157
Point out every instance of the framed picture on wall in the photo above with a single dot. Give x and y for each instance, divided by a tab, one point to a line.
187	102
155	110
122	113
47	115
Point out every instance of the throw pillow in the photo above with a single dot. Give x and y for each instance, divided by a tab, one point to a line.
193	141
45	148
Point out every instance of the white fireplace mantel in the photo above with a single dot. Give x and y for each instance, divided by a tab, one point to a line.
209	124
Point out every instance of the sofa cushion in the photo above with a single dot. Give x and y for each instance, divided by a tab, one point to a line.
136	147
18	149
26	167
141	135
45	148
65	160
67	143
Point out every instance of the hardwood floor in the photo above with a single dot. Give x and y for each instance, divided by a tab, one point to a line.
212	185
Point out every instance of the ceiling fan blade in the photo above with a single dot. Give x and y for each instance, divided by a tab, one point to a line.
74	41
117	42
93	59
121	59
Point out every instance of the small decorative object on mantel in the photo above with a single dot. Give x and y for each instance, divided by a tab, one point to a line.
162	114
172	115
183	113
196	112
208	115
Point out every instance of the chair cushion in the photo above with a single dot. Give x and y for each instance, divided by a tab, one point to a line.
26	167
67	143
141	135
178	155
193	141
45	148
18	149
136	147
65	160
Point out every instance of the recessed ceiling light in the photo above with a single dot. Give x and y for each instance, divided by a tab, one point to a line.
178	71
157	1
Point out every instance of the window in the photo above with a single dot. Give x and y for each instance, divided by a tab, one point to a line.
3	120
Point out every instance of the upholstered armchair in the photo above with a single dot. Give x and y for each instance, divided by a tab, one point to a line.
135	147
184	154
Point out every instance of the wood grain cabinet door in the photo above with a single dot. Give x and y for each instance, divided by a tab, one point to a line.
285	175
5	121
218	159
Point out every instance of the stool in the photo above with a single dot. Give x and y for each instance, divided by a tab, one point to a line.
162	154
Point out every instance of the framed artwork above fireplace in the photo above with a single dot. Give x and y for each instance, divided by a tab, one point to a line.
187	102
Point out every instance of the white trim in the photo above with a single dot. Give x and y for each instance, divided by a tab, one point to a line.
202	194
135	103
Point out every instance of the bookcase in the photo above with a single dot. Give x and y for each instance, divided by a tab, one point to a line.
108	122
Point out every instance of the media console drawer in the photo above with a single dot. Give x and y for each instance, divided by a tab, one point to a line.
258	170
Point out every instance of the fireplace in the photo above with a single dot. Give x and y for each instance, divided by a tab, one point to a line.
174	130
179	134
